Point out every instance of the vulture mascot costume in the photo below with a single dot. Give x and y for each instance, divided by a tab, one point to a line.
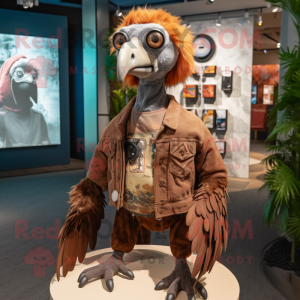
159	162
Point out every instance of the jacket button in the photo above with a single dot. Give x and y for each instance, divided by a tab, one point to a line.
160	162
114	196
160	211
182	153
161	183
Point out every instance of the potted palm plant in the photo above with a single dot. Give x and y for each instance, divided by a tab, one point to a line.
282	179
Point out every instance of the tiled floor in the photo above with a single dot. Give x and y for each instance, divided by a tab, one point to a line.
256	170
75	164
40	201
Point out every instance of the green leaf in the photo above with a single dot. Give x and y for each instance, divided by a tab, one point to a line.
293	223
283	183
283	177
282	218
270	210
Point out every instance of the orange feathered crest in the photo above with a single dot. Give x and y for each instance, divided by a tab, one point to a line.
179	34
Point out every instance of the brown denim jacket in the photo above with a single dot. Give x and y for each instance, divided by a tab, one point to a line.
186	156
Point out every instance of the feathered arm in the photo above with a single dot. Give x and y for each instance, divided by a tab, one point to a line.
85	214
207	217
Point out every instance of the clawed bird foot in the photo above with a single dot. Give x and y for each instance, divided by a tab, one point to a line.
181	280
105	270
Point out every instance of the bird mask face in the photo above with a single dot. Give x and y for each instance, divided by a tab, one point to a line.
145	51
23	82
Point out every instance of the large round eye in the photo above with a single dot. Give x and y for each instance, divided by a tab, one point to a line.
20	74
119	40
155	39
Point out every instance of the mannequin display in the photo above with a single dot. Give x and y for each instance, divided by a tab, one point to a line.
159	161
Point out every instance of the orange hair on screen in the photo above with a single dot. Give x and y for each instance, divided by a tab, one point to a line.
179	34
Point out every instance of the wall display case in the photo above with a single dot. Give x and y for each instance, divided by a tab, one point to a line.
196	76
227	84
205	48
208	118
224	86
209	92
221	119
268	96
194	111
221	145
190	93
254	94
210	71
263	75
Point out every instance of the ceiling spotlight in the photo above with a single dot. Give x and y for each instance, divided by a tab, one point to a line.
278	45
28	3
275	9
219	21
259	19
210	2
265	51
118	12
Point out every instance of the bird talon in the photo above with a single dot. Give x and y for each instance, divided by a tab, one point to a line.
80	277
83	281
160	286
201	290
170	297
110	285
129	274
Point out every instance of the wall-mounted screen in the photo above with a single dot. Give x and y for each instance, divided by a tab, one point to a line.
208	118
210	71
190	91
268	98
221	119
221	145
209	91
29	91
254	94
265	75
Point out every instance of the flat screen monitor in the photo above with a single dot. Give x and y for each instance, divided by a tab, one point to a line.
268	95
254	94
29	91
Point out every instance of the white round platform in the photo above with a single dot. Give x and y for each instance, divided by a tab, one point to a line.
150	264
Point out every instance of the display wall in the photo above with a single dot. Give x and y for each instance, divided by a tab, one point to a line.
32	85
33	31
223	100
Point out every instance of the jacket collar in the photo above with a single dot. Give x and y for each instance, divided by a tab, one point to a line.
170	120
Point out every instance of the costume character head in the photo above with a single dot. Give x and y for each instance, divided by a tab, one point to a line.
150	45
18	83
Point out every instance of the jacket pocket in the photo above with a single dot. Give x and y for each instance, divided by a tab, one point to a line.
181	177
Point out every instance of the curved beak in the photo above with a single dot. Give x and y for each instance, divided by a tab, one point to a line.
23	89
133	59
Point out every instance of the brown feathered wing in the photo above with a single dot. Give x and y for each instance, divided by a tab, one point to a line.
207	221
80	228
